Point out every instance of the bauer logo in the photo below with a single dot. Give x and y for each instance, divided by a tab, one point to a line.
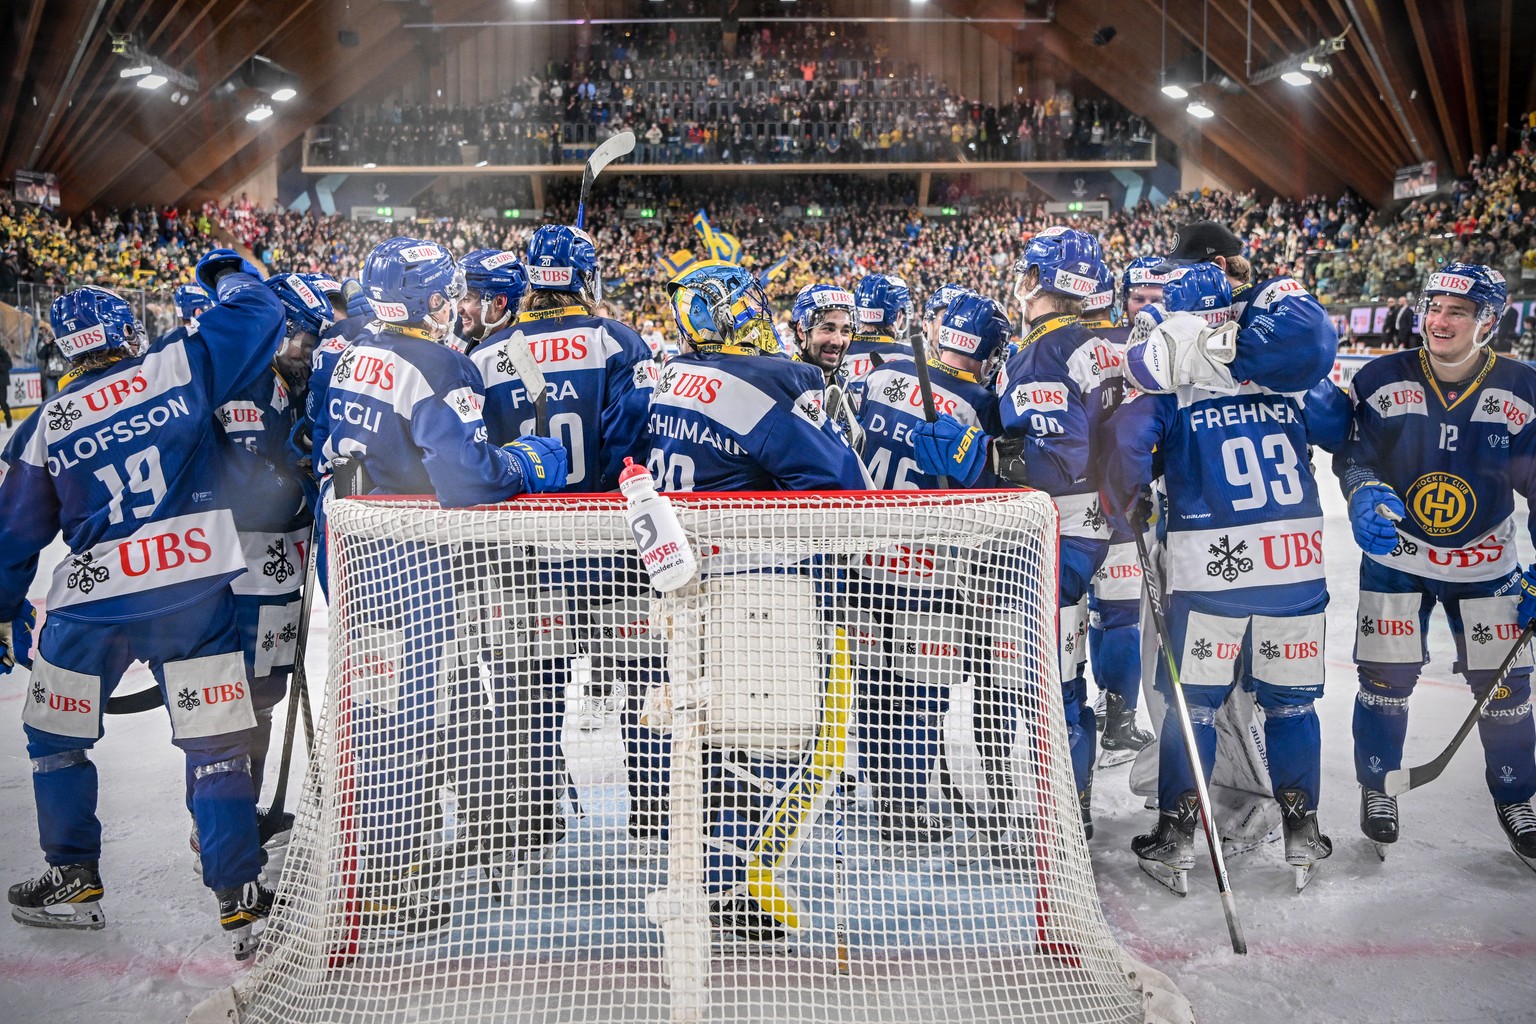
549	277
420	253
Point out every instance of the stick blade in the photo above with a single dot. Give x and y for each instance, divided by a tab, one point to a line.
619	145
1398	781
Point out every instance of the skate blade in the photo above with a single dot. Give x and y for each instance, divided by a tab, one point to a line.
1114	758
1529	862
1381	850
1175	880
243	942
72	916
1304	873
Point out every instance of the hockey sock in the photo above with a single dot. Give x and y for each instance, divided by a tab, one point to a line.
64	789
1509	743
1293	740
1380	724
1082	738
1174	777
1117	661
224	805
648	757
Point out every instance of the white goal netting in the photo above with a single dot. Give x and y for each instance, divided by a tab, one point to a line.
828	781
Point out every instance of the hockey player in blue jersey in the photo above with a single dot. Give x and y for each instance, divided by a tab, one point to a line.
406	407
190	301
265	488
122	460
1279	337
598	376
905	686
1442	441
884	307
1114	596
731	413
1053	396
494	284
1245	582
823	321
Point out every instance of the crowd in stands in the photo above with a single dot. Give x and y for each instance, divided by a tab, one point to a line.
780	96
824	228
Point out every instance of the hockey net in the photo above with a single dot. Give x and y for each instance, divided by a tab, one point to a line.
835	785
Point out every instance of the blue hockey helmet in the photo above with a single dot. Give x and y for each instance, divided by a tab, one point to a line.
492	272
1483	286
190	300
882	300
414	287
816	300
306	308
325	284
563	259
1098	305
1069	262
940	299
1141	272
719	303
1202	289
974	326
92	319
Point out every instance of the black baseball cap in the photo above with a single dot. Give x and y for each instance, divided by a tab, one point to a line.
1198	242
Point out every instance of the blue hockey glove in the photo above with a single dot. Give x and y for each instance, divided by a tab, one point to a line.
356	298
946	447
541	460
16	639
1375	533
216	263
1527	610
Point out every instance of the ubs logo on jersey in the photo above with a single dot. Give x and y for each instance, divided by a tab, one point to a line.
1440	503
113	392
696	385
373	370
63	416
896	390
558	349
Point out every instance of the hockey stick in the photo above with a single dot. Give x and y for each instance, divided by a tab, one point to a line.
777	841
298	689
1401	780
925	386
619	145
1212	840
527	367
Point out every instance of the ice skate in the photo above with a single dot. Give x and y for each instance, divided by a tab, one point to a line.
740	919
1168	852
1098	710
1305	843
1378	819
67	896
240	908
900	824
1121	741
1085	799
1519	823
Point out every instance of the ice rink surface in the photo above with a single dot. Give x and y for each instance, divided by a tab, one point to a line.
1443	932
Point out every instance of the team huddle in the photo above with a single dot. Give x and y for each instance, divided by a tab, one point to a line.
1176	403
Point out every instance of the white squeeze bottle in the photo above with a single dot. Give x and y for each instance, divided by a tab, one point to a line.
663	546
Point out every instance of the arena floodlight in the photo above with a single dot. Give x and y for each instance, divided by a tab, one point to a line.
1295	78
1174	91
151	81
370	165
284	95
1200	110
136	71
1314	65
259	113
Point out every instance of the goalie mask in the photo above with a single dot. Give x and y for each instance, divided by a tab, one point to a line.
1483	286
413	287
717	303
93	319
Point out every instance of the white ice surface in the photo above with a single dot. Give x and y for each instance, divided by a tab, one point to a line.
1443	931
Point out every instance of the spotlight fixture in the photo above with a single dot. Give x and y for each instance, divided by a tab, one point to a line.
136	71
1174	91
482	163
1200	110
1312	64
151	81
258	113
370	164
1295	78
284	95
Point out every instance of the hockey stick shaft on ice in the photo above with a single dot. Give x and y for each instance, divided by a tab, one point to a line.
1401	780
619	145
1187	729
298	689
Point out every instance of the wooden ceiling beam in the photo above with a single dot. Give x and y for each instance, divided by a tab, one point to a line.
1436	90
59	40
1359	90
1468	79
1426	141
28	36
